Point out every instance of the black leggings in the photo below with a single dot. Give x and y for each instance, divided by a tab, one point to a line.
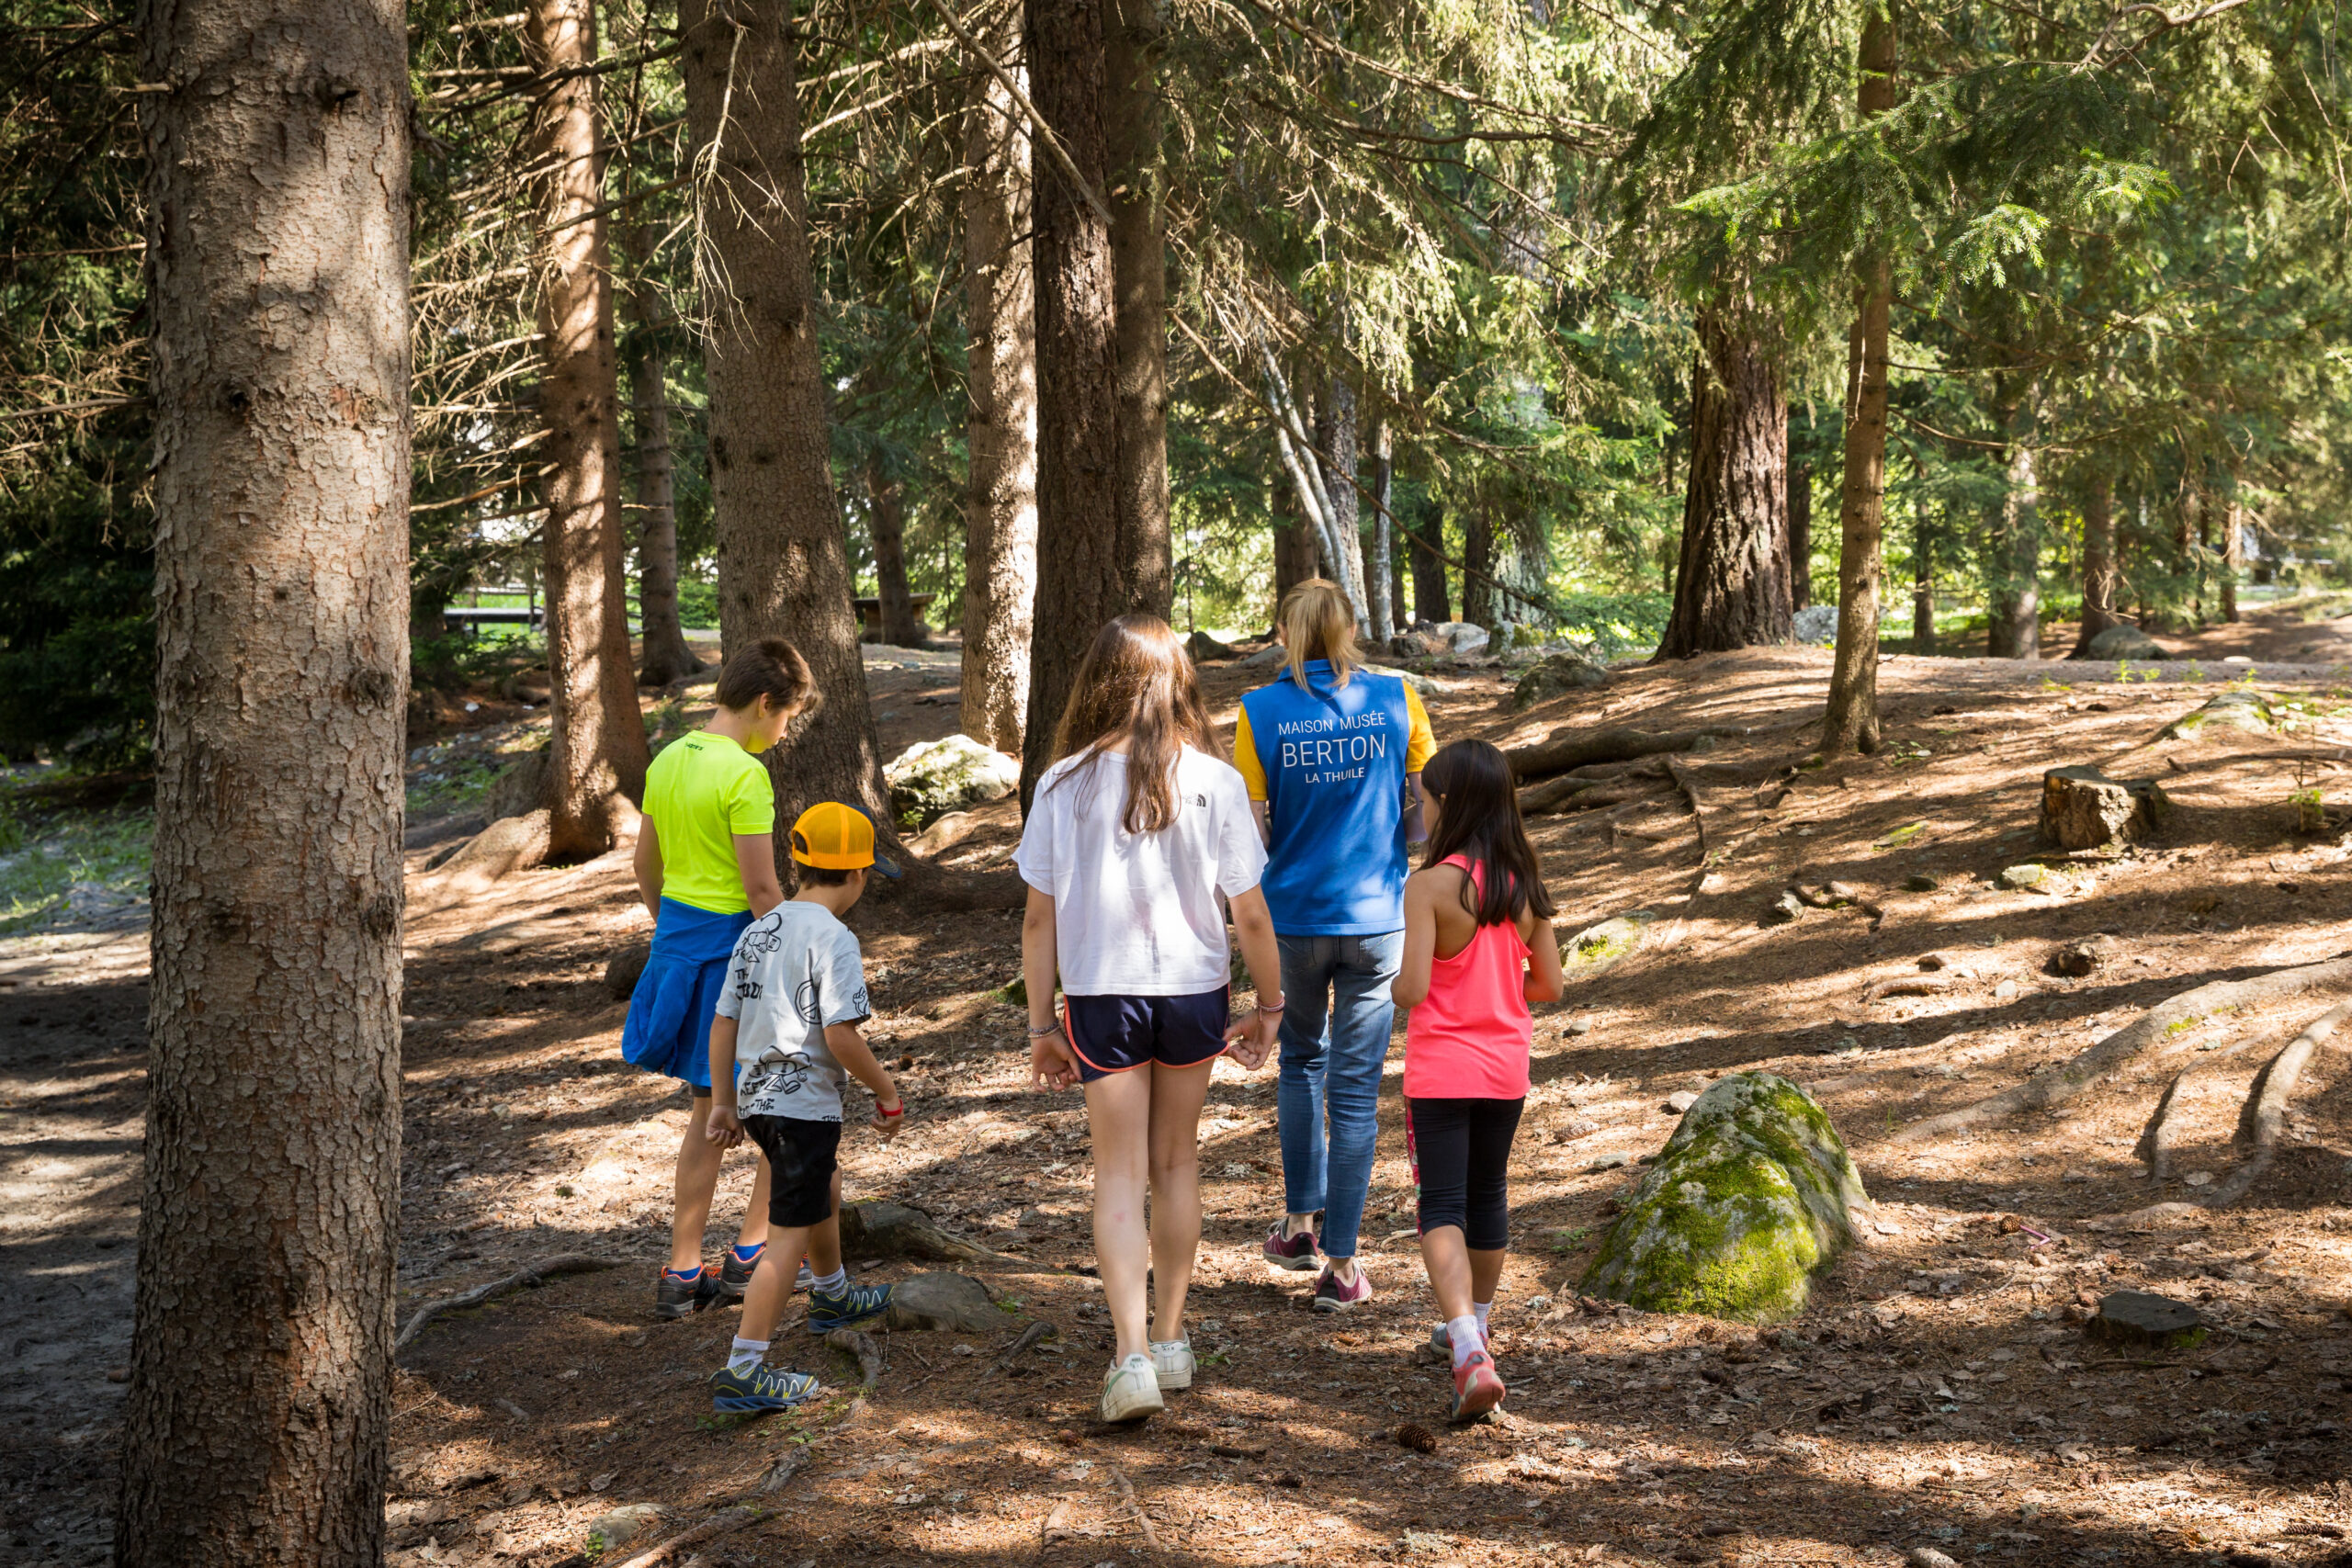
1462	1156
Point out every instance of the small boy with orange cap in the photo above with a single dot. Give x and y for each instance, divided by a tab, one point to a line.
784	1043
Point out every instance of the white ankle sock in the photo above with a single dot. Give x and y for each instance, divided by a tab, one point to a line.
834	1283
1464	1338
1480	1309
747	1354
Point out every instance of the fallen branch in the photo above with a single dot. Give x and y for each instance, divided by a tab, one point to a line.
1580	796
726	1522
1565	748
1029	1335
536	1274
1908	985
860	1343
895	1230
2052	1085
1127	1493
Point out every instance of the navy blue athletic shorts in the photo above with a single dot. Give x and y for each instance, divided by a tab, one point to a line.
1117	1034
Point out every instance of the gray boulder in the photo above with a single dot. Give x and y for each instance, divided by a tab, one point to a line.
929	780
942	1300
1750	1199
2124	642
1206	649
2248	711
1460	637
1815	623
1557	675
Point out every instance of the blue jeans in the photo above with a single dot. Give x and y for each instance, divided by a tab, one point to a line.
1336	1018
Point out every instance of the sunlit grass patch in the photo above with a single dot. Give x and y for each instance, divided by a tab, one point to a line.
71	863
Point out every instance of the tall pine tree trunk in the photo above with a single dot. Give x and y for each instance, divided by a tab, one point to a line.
783	561
1296	554
597	756
2013	617
1799	526
1337	449
1381	586
2233	552
666	657
1923	584
1479	607
1081	580
1427	562
1851	723
885	519
278	217
1136	190
1000	430
1731	588
2099	573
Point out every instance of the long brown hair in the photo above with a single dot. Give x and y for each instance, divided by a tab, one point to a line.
1137	685
1479	820
1318	623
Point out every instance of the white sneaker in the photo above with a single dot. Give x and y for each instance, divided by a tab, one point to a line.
1131	1390
1172	1363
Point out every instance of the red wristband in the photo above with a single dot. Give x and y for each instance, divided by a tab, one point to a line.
887	1115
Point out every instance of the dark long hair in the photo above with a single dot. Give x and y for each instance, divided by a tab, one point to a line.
1137	684
1480	821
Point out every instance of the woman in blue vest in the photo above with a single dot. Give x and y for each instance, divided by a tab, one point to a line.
1332	754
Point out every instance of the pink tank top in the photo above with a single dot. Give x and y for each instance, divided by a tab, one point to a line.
1469	1038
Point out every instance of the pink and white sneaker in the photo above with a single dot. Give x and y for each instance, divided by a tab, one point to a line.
1296	1253
1331	1295
1477	1388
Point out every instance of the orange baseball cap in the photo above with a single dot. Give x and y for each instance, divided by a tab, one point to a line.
834	837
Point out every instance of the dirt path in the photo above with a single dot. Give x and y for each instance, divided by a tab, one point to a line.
1936	1395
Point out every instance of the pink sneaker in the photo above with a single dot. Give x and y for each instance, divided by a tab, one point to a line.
1476	1389
1296	1253
1330	1296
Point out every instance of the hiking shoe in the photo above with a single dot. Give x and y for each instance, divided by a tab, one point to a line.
1171	1364
1131	1390
1330	1296
806	1278
735	1277
759	1388
1476	1389
675	1297
1296	1253
1442	1341
856	1304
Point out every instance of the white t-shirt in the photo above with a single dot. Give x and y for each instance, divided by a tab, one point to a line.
796	969
1139	915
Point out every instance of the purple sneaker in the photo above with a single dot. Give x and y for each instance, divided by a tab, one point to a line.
1296	1253
1330	1296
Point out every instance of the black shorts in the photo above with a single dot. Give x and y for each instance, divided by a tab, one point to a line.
1116	1034
802	1158
1461	1154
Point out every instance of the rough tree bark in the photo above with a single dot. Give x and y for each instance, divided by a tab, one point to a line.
2013	611
1132	116
1731	588
1427	563
2233	552
1800	527
885	519
1001	428
596	757
1923	586
1295	553
1851	723
1081	582
2099	573
666	657
277	213
1338	450
1479	606
1380	586
783	562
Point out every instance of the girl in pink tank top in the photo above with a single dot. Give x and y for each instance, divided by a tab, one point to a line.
1478	949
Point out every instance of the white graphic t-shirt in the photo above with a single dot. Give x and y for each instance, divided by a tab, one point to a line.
796	969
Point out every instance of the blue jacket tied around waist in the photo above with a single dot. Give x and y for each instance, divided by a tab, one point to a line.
668	1030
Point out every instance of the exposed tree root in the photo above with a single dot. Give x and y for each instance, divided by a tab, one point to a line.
937	890
548	1268
1134	1506
1580	794
1908	985
2054	1085
1029	1335
861	1345
2161	1135
2264	1115
1565	748
725	1522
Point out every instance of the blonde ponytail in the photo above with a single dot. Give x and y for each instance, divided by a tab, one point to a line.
1318	623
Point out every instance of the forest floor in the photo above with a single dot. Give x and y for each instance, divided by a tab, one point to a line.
1938	1393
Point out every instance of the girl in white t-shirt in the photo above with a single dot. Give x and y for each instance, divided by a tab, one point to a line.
1138	837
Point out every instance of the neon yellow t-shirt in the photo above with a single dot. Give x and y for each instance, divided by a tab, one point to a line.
702	791
1420	744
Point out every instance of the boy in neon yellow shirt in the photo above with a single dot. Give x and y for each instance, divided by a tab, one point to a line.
705	865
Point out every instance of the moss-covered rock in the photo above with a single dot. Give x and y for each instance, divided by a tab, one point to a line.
1597	949
1747	1202
2241	710
929	780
